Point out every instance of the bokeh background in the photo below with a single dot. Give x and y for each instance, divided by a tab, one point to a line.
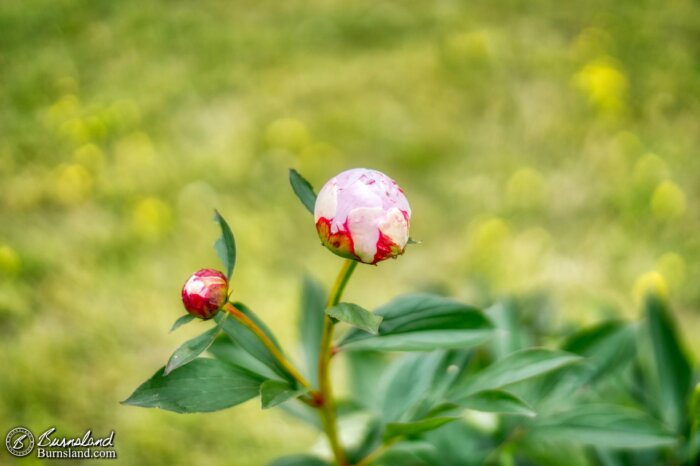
547	149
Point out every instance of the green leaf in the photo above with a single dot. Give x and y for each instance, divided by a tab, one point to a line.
460	443
303	190
313	304
511	335
408	454
516	367
275	392
673	369
423	322
496	401
356	316
250	342
365	369
607	347
227	350
453	364
190	349
370	438
604	426
405	384
299	460
182	320
397	429
303	413
225	246
204	385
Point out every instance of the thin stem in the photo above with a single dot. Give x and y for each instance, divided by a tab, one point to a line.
328	408
340	282
269	344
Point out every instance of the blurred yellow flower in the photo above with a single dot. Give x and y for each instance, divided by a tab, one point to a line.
649	283
96	127
604	83
75	130
124	112
72	183
90	156
287	133
487	246
526	188
668	201
472	45
650	170
672	268
151	218
9	260
316	152
68	106
135	150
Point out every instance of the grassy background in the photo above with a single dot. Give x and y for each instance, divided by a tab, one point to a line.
545	148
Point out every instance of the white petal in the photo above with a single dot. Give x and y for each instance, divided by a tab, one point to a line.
364	229
326	202
395	227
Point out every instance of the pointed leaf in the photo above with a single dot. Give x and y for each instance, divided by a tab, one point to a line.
303	413
303	190
190	349
356	316
225	246
365	368
182	320
607	347
250	342
512	334
408	454
203	385
313	304
405	384
673	369
496	401
397	429
608	426
423	322
516	367
227	350
275	392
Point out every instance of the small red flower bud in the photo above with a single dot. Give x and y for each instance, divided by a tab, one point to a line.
204	293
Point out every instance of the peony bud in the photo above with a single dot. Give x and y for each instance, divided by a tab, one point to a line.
204	293
363	215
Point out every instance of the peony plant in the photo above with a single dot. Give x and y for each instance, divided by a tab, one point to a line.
433	381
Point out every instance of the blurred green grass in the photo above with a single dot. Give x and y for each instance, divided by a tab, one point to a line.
545	148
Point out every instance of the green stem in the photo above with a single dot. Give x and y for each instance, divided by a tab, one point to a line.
328	408
253	327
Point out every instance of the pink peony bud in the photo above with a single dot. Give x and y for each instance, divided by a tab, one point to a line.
204	293
363	214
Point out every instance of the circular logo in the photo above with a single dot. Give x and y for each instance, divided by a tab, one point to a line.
19	441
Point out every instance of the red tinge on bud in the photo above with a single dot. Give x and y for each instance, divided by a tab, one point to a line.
204	293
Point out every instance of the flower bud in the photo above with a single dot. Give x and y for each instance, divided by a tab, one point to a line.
204	293
363	215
